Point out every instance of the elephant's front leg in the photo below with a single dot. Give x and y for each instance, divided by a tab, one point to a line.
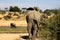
29	30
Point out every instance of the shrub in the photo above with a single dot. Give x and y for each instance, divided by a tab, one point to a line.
7	17
52	29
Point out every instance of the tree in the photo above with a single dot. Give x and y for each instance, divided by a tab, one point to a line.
24	10
14	9
48	11
6	9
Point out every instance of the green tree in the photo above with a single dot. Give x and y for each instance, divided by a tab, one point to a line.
6	9
14	9
48	11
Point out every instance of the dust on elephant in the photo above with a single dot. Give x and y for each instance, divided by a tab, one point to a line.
33	19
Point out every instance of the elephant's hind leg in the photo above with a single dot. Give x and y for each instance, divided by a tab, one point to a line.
34	32
29	30
35	29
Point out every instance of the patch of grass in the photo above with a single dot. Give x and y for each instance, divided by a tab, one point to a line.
13	30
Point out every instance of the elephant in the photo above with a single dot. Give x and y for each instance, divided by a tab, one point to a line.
33	19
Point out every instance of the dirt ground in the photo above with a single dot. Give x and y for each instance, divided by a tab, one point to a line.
13	36
17	36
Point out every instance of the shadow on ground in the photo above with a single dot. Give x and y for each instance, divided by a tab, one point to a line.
25	37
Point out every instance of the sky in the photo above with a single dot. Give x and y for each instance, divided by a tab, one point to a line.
42	4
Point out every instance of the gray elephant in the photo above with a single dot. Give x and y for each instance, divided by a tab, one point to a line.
33	18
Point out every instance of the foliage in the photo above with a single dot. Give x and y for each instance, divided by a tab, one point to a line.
6	9
48	11
2	12
7	17
52	29
14	9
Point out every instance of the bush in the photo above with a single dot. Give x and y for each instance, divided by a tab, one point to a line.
52	29
7	17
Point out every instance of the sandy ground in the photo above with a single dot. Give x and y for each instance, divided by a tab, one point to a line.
21	36
13	36
9	36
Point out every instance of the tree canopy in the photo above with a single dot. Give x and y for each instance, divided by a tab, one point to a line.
14	9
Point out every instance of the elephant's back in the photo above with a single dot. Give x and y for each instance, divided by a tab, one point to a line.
33	15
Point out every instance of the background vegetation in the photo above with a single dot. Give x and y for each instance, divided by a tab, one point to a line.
51	31
14	9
